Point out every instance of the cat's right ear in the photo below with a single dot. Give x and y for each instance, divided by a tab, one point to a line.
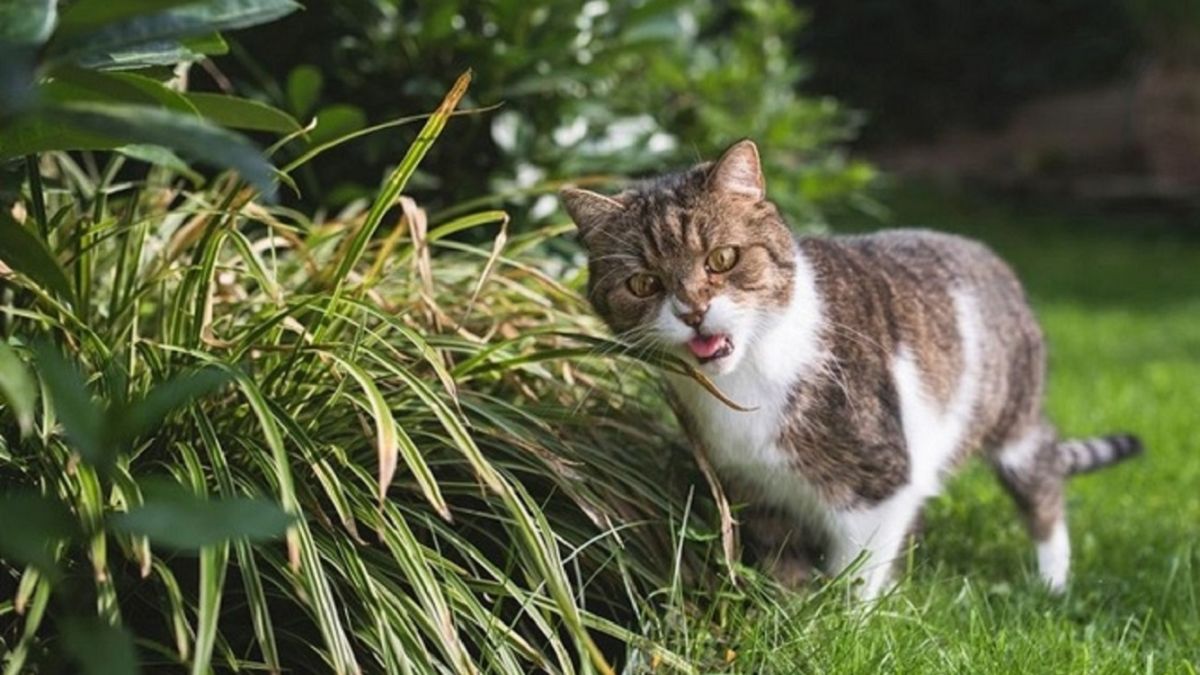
590	210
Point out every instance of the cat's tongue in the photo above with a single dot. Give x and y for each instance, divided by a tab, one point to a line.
706	346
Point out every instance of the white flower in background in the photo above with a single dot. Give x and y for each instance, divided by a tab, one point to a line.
570	134
504	130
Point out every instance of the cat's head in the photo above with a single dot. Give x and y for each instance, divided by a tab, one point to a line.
697	262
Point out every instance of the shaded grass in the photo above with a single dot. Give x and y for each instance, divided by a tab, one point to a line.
1119	298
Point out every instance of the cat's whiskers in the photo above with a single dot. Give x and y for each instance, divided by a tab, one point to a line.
622	344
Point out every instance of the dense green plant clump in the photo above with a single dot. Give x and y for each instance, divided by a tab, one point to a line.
587	89
233	436
457	470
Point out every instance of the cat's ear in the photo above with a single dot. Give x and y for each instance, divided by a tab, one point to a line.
739	172
589	209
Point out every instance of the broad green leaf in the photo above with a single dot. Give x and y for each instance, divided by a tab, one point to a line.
27	22
160	156
73	405
303	89
36	133
336	120
191	137
18	74
209	45
180	22
99	648
159	53
86	15
242	113
186	522
78	85
22	251
17	388
33	526
143	416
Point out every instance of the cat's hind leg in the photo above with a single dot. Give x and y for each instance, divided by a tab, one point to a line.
1030	469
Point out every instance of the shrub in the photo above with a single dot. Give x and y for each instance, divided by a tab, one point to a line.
586	89
427	444
232	436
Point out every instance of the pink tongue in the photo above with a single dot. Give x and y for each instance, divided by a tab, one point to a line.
705	346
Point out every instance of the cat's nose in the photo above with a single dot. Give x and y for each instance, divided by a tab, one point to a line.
694	317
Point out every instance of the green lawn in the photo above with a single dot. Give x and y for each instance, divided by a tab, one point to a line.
1120	301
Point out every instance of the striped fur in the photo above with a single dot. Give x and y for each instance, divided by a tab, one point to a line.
1089	454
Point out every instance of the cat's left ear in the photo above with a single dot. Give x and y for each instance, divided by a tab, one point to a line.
739	172
589	209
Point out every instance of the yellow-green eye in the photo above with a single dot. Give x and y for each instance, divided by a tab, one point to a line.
643	285
721	259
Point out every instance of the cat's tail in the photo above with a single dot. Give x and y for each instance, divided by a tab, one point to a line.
1088	454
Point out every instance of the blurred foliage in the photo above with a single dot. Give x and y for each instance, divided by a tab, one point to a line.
920	66
100	75
587	88
1172	27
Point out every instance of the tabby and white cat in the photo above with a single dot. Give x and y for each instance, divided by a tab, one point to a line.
871	365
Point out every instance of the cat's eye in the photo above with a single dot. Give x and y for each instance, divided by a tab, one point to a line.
721	259
643	285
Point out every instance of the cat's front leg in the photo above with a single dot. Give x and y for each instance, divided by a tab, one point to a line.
781	545
877	533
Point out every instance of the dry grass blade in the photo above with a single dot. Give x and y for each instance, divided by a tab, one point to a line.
497	247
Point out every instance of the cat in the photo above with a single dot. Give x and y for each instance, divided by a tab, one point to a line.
869	366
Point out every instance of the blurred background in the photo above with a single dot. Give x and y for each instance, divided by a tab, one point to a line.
1093	100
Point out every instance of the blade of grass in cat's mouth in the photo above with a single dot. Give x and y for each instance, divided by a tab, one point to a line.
709	347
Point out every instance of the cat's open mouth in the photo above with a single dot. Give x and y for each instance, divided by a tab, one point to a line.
708	348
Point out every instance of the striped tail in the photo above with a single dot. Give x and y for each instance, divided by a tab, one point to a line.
1089	454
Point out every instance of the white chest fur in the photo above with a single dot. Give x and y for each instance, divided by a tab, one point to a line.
742	444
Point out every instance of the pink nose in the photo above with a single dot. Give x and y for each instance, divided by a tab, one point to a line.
693	318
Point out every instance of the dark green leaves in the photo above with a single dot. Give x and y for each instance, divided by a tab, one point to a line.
17	388
80	416
88	15
144	416
33	526
141	28
54	98
98	432
192	137
303	89
25	253
26	22
99	648
241	113
187	522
